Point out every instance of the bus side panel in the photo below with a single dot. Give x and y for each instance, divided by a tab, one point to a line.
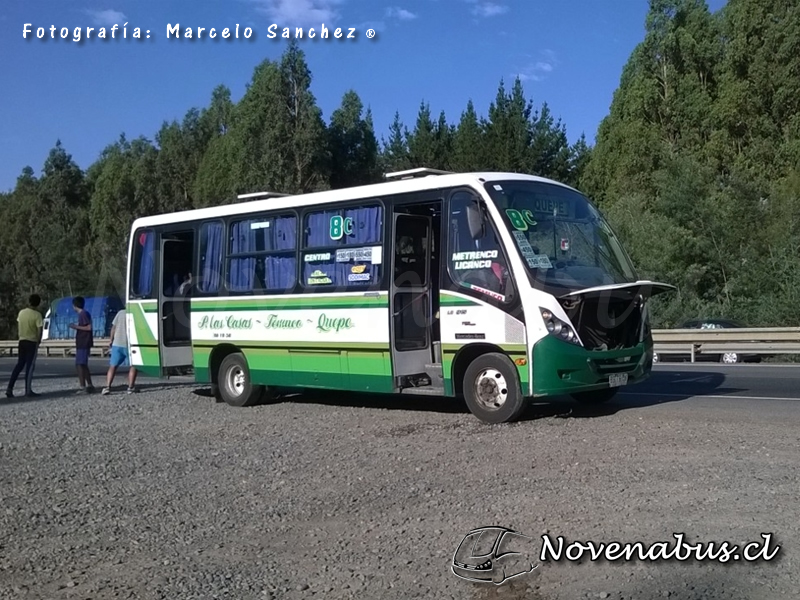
465	320
143	336
331	342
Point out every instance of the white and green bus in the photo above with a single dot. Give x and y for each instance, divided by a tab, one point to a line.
491	287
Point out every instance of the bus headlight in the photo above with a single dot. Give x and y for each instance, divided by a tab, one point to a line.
558	328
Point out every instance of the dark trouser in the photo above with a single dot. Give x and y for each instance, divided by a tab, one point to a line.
27	356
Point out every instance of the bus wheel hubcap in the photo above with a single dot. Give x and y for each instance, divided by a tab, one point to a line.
236	381
491	389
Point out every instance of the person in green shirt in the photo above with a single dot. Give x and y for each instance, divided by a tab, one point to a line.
30	335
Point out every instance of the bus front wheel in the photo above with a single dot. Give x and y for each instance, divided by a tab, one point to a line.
491	389
596	396
235	386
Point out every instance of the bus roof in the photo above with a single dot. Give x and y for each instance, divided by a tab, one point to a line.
430	182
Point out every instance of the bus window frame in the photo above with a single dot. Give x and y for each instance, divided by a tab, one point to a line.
153	295
196	291
227	256
512	302
381	283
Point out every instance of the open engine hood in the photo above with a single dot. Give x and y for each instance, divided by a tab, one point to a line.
622	291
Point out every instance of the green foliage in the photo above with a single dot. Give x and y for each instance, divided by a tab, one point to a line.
353	146
696	163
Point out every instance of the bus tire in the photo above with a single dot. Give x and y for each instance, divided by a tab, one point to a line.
595	396
492	390
235	386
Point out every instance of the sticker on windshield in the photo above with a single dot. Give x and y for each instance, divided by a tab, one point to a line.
499	188
523	243
539	261
520	220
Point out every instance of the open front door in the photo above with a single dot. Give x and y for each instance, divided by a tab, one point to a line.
410	304
174	305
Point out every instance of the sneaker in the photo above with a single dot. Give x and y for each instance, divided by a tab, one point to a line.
80	391
106	391
132	390
9	394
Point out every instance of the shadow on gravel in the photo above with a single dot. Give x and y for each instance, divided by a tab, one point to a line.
365	400
660	388
20	398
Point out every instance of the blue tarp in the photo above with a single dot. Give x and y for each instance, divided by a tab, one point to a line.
102	308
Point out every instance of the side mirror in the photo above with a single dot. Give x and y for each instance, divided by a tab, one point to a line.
475	220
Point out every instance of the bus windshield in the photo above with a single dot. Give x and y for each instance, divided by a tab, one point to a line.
563	240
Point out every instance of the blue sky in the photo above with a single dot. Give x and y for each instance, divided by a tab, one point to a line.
568	53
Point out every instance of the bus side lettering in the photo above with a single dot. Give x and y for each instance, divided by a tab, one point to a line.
326	324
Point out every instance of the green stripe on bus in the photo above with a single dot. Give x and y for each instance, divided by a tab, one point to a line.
143	334
149	306
355	369
150	358
287	345
448	300
307	302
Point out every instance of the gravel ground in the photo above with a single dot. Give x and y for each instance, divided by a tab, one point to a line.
167	494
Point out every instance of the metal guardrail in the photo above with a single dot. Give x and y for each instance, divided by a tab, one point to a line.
745	340
55	347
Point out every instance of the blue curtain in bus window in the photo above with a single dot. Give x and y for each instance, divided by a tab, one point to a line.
242	270
281	272
366	225
280	235
285	233
147	241
211	257
318	229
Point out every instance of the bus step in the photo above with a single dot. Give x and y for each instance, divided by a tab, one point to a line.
424	391
412	381
435	371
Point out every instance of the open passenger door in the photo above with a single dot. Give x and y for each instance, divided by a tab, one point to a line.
174	306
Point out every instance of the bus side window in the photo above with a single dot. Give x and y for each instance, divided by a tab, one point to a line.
475	262
211	238
261	254
143	266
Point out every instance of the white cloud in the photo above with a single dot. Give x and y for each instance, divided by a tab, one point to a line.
488	9
540	68
298	13
107	18
377	25
400	13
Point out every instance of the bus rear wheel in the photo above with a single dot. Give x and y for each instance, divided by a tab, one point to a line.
595	396
491	389
235	386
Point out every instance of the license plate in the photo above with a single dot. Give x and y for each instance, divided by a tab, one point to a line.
617	379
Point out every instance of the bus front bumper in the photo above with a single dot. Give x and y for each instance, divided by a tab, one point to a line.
560	367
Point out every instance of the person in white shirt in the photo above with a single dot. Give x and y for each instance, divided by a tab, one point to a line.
119	353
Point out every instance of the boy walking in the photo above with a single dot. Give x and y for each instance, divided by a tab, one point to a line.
119	353
84	340
30	335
